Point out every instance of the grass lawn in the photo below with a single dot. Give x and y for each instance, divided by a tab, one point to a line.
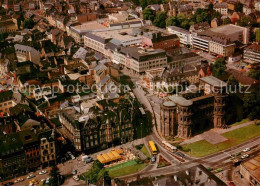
235	137
126	168
241	122
145	151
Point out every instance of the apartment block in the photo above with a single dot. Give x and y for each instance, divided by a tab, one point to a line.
139	59
184	35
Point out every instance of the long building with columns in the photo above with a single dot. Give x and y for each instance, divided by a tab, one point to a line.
194	110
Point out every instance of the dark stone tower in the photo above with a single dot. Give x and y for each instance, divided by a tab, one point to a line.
219	106
184	121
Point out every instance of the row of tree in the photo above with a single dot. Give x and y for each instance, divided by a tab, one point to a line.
245	104
161	20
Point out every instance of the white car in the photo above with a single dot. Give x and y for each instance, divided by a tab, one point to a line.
72	157
30	176
18	180
76	177
43	180
246	150
47	180
244	156
42	172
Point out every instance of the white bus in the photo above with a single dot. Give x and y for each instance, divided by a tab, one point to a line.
169	147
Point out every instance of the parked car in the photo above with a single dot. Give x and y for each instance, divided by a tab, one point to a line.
30	176
9	183
74	171
47	180
19	180
231	183
244	156
246	150
43	172
153	159
88	160
43	180
76	177
180	154
72	157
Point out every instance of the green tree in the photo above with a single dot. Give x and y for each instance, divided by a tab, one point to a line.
246	21
101	7
227	21
143	3
253	73
185	24
54	174
136	2
232	84
95	173
172	21
239	7
215	15
211	7
151	2
160	20
148	14
3	36
251	105
20	20
28	23
219	67
201	15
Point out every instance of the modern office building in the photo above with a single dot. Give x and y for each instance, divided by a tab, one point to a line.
252	54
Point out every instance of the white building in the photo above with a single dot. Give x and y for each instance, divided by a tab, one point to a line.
41	92
221	8
201	42
184	35
140	60
98	40
27	53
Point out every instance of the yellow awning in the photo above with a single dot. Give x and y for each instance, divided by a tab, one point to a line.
119	151
111	156
106	157
101	159
116	154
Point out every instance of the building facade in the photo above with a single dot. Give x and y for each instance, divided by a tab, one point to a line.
184	35
221	7
252	54
193	111
139	60
47	147
99	128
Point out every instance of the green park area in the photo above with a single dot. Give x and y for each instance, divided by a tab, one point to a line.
145	151
98	171
126	168
235	137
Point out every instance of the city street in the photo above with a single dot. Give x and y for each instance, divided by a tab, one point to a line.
37	177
